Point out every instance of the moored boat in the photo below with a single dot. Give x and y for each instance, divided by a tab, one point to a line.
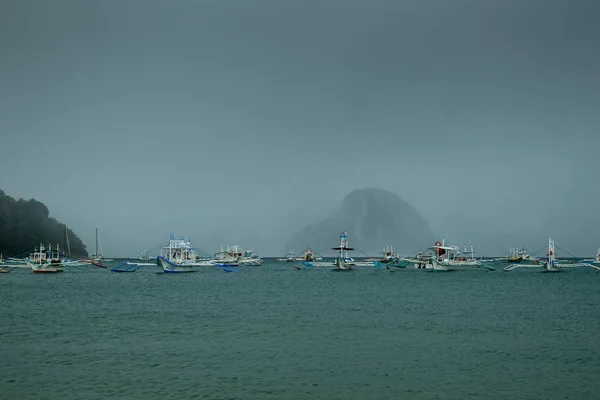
420	261
343	262
551	264
45	260
234	256
391	259
98	259
517	255
290	256
448	258
178	256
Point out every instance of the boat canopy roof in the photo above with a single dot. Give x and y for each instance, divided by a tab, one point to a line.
443	247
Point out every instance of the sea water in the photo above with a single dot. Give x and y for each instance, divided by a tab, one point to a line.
275	332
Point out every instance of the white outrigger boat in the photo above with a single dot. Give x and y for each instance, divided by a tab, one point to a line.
178	256
234	256
308	255
341	262
290	256
250	258
44	260
448	258
420	261
551	265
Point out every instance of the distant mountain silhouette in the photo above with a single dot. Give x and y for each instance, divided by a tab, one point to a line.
24	224
373	218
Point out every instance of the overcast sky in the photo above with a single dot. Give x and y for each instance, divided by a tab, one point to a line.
241	121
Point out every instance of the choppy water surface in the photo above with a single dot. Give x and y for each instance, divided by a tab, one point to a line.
273	332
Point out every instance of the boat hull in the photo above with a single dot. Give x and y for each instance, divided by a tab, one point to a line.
418	263
342	265
453	265
46	268
170	267
43	269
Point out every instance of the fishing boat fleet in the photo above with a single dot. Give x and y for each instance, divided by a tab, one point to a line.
181	256
442	256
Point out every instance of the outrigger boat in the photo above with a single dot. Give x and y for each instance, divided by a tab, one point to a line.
310	260
44	260
342	262
308	255
178	256
447	258
389	255
250	258
290	256
234	256
516	255
420	261
391	259
551	264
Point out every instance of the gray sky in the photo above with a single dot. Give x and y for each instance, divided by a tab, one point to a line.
241	121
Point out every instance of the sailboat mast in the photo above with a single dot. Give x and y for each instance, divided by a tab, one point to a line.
68	244
96	241
65	238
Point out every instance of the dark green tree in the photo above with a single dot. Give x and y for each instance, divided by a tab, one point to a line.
24	224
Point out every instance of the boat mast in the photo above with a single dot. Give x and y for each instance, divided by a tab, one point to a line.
551	255
96	241
67	245
343	245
